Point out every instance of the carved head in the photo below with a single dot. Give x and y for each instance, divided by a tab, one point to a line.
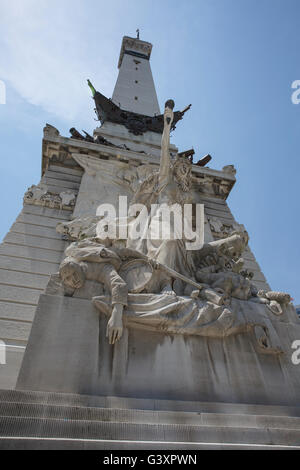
72	273
234	245
182	171
170	104
261	293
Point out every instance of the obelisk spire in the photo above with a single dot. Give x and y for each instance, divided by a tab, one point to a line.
135	89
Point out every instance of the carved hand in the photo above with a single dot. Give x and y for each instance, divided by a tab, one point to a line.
114	328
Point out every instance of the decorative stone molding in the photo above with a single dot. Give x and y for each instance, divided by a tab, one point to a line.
39	195
50	131
221	229
274	301
229	169
79	228
57	150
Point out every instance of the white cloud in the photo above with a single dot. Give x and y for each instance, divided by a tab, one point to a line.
49	49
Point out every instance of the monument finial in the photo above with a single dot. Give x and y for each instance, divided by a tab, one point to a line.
138	33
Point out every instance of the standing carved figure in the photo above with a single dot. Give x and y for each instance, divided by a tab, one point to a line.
168	190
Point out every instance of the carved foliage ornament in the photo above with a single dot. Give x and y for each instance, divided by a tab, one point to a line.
40	196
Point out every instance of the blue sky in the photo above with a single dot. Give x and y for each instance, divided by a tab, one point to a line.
234	60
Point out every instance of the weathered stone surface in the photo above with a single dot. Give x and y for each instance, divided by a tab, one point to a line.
29	218
10	370
224	216
28	229
103	182
28	252
46	212
257	275
74	361
261	285
57	189
157	361
28	265
132	432
66	171
44	195
62	176
62	184
98	444
13	311
125	91
14	330
19	294
35	241
15	278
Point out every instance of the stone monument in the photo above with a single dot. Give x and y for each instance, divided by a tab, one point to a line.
153	325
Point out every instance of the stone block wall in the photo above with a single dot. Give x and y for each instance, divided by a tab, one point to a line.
29	254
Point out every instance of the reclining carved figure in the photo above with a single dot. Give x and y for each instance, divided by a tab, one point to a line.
88	260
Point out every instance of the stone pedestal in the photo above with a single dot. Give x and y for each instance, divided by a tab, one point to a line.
68	352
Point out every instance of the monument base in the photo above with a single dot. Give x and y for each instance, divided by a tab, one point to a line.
69	353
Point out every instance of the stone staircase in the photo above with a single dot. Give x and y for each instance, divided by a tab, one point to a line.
43	420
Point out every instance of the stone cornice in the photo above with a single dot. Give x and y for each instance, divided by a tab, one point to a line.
58	150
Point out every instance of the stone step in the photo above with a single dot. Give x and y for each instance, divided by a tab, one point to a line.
16	443
33	410
46	420
88	429
127	403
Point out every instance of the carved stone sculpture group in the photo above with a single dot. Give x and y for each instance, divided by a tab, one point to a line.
158	284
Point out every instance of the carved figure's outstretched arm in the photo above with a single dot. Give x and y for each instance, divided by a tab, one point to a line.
165	161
